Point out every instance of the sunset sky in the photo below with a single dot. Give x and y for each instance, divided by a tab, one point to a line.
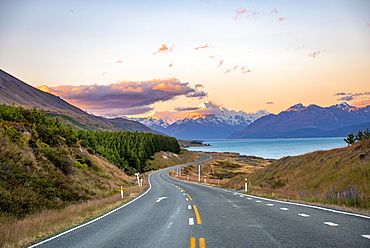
136	57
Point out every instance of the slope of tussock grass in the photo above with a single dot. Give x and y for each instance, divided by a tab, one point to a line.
339	176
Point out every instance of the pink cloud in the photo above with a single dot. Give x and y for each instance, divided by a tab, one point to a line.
282	19
118	61
241	10
274	11
314	54
123	95
220	63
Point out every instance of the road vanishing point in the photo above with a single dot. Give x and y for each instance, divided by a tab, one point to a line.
173	213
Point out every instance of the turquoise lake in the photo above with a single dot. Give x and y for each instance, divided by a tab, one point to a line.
271	148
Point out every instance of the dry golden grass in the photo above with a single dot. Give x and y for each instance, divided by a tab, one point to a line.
224	169
338	178
22	232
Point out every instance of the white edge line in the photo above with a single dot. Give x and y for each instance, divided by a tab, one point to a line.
285	202
110	212
96	219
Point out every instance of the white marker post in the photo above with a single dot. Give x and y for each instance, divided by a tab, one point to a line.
138	180
199	166
205	179
246	184
121	192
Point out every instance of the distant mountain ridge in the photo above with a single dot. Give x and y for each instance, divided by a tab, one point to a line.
301	121
14	91
217	123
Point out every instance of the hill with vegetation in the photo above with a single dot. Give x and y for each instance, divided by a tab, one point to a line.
339	176
15	92
45	164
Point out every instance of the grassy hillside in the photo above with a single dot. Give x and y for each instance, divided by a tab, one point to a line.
52	176
339	176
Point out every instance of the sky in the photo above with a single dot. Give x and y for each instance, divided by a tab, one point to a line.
133	58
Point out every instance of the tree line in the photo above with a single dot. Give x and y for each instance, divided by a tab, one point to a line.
127	150
360	136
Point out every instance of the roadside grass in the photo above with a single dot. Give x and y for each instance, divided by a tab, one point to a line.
337	178
17	233
103	178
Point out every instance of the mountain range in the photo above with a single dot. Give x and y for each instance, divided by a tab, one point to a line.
301	121
14	91
212	122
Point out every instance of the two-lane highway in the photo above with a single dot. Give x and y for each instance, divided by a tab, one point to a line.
173	213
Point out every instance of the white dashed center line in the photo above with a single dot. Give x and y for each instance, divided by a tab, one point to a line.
191	221
270	204
249	198
366	236
330	224
285	209
258	201
304	215
189	206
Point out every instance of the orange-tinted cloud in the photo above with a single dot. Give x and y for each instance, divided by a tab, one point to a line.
282	19
122	96
201	47
164	49
119	61
241	10
244	69
270	103
361	104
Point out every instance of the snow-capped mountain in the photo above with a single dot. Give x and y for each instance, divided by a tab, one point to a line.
300	121
208	121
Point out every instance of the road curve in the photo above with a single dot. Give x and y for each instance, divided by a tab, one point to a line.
173	213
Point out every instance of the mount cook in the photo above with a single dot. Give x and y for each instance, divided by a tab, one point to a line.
210	122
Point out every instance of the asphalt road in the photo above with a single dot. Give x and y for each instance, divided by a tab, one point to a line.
172	213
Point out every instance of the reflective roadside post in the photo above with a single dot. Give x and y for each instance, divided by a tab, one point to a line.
138	180
121	192
199	166
246	184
